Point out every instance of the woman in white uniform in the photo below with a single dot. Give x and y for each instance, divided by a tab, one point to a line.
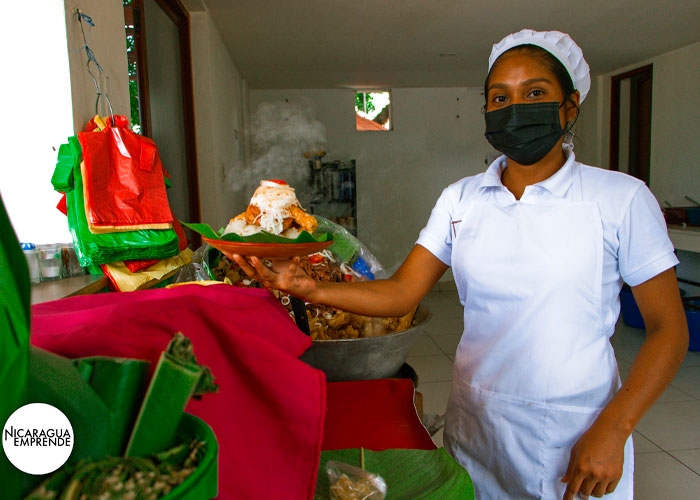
540	246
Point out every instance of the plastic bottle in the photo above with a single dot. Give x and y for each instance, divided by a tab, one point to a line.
32	256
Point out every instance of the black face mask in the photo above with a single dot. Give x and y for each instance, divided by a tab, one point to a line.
525	133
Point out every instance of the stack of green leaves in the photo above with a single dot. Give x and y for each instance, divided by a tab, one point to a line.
409	474
14	336
177	378
95	249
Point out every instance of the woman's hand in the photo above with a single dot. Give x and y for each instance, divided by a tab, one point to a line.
285	275
596	459
393	296
596	462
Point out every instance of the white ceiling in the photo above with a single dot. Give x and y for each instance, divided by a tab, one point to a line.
397	43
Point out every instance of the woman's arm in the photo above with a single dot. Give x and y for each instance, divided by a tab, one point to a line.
394	296
596	459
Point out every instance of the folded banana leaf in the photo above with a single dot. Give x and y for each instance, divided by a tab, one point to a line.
409	474
121	384
261	237
14	337
100	396
176	379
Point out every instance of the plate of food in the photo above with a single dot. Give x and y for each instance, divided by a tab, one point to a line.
274	225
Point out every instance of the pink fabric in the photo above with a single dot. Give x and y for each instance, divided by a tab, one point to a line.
268	415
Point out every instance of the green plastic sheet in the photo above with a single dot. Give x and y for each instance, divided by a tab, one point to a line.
14	337
95	249
409	474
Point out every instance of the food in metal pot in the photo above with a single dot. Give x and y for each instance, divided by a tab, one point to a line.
325	322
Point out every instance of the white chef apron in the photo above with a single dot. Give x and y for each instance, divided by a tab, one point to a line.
534	367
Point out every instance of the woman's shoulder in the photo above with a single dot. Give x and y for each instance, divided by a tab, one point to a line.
613	191
608	185
462	188
608	181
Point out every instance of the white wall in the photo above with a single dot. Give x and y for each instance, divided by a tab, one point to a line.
437	139
108	41
220	96
675	147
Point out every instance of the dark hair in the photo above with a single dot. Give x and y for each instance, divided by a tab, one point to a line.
550	62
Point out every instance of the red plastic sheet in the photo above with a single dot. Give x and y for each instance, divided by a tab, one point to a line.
374	414
268	415
124	184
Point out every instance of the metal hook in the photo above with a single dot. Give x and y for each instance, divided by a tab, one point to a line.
109	104
92	59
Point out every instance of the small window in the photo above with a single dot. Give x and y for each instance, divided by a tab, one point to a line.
373	110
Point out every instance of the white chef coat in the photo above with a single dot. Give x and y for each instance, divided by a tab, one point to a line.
512	396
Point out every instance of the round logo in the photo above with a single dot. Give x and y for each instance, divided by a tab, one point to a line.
37	438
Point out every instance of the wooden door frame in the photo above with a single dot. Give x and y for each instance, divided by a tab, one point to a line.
141	67
177	13
615	80
180	16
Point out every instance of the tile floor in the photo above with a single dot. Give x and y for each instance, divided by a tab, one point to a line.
667	440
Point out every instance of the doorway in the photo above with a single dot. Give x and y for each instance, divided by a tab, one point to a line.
162	97
630	122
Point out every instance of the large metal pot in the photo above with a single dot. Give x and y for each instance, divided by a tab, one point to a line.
365	358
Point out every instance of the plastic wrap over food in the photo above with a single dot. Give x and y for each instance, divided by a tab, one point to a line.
352	483
351	251
197	270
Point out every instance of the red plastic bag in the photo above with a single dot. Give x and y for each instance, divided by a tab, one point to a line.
124	185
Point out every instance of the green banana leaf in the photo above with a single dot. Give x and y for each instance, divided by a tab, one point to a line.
99	396
94	249
89	478
120	383
14	338
409	474
57	381
176	379
261	237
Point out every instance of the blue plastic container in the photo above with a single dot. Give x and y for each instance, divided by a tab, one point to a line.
361	267
630	312
693	316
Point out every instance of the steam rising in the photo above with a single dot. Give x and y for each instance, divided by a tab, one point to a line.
280	133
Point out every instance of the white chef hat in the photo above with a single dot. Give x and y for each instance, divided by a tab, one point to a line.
560	45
